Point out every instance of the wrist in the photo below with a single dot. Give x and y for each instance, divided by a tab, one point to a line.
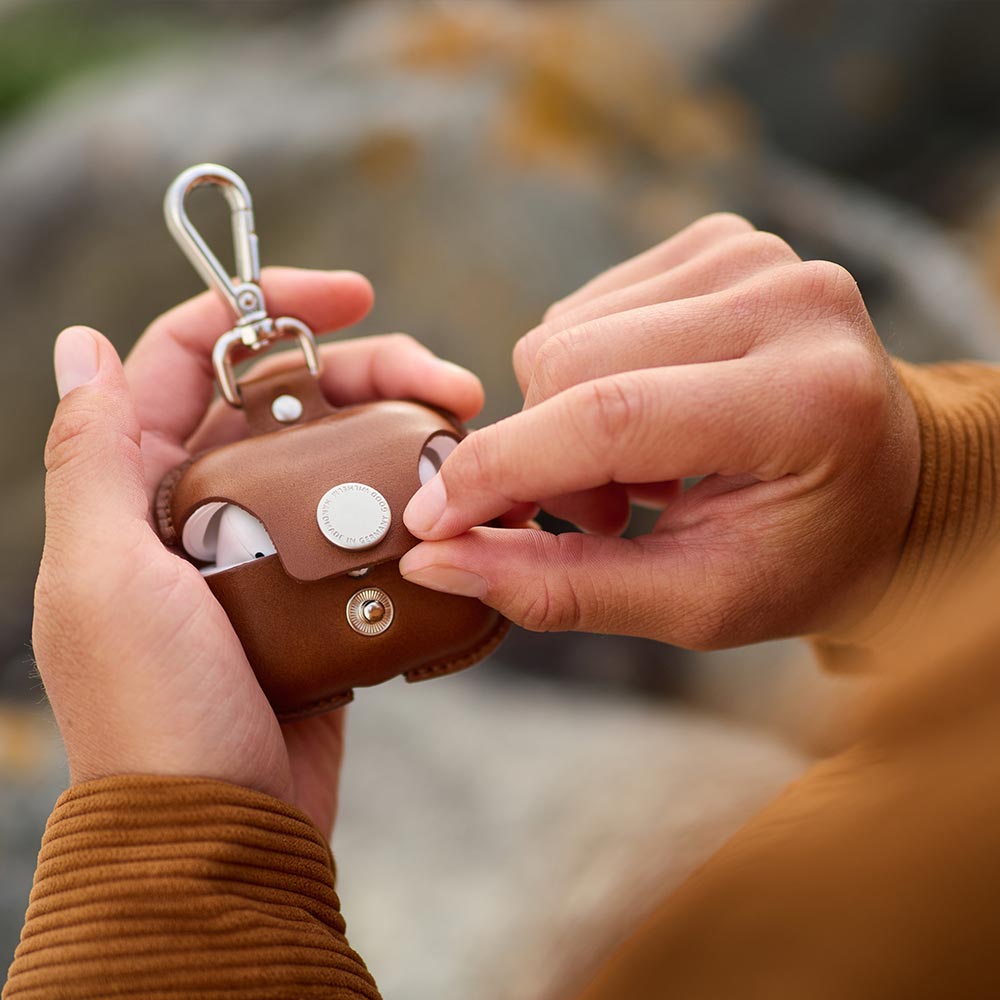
954	516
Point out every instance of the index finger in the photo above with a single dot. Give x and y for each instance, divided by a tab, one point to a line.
729	417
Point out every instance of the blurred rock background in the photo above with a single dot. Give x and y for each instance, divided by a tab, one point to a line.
478	159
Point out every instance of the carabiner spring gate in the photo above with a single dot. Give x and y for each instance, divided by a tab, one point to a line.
255	330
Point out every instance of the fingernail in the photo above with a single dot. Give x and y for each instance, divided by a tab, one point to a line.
426	506
449	580
75	359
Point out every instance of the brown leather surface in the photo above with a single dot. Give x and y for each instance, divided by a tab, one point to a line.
308	659
260	391
289	610
281	477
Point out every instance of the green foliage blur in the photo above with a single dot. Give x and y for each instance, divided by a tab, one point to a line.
42	45
46	44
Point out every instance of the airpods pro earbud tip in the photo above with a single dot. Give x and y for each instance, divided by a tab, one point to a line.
225	535
200	536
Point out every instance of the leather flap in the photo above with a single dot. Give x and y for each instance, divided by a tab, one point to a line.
281	477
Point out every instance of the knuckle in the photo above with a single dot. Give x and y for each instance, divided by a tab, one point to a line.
767	247
553	604
718	223
473	464
553	310
85	431
526	349
830	284
748	254
612	409
69	434
553	361
538	612
522	358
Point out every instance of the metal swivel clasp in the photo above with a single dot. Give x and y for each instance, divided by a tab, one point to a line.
255	330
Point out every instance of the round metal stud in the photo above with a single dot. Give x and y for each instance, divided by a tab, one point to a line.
370	611
353	516
286	409
373	611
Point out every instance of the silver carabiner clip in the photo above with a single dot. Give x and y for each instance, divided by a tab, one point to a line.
255	330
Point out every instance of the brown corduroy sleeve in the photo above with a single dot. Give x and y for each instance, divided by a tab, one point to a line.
957	511
183	887
875	875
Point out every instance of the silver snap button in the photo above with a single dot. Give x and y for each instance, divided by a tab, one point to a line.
369	611
353	516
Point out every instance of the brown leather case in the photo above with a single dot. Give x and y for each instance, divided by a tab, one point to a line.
290	609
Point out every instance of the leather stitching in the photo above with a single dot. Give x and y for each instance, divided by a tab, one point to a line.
164	502
337	700
412	676
460	663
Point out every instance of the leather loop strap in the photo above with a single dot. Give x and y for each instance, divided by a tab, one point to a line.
259	394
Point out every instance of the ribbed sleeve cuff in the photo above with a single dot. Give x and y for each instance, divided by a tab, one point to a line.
956	516
160	887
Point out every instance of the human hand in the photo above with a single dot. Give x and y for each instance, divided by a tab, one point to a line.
141	666
718	354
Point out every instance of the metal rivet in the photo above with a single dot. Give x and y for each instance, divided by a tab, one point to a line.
286	409
373	611
369	611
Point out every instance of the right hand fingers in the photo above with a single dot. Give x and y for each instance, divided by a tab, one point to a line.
653	425
681	247
711	326
725	265
607	510
573	582
718	327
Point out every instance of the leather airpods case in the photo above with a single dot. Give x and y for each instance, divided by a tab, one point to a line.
319	617
298	528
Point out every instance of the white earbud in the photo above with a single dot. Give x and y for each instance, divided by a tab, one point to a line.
437	449
242	538
225	536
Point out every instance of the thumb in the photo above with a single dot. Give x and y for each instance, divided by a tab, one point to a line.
551	583
92	457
